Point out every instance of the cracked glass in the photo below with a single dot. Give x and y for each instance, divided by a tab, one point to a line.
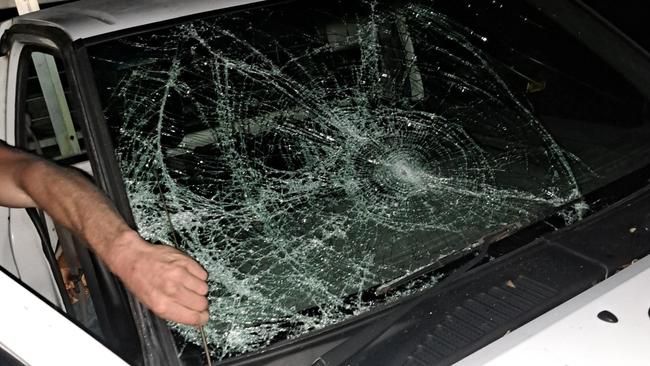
308	152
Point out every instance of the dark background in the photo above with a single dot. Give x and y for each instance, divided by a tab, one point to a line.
627	15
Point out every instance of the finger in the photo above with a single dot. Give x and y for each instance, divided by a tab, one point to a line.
181	314
196	269
192	283
190	299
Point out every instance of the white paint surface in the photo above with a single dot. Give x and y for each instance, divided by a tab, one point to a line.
572	334
41	336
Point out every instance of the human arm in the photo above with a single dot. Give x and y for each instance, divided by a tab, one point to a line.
165	280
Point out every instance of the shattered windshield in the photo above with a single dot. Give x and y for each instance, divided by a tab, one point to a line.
308	151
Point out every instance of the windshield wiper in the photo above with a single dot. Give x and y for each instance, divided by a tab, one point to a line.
483	243
339	354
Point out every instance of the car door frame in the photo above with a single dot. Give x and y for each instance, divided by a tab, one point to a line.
135	333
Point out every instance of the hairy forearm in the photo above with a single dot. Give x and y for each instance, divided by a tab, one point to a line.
75	203
164	279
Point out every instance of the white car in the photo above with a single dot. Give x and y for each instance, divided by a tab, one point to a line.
402	182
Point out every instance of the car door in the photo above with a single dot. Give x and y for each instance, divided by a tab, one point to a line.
44	114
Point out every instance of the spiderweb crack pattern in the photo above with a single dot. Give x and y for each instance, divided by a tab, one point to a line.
302	167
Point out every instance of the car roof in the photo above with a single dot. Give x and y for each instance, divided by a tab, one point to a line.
89	18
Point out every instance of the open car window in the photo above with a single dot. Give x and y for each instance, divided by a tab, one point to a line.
46	118
307	152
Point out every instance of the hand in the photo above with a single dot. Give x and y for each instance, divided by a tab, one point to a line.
164	279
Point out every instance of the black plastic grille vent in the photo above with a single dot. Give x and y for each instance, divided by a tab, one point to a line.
479	315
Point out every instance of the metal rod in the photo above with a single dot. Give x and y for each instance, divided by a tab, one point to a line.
204	339
206	349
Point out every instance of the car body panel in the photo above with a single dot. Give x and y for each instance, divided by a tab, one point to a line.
39	335
90	18
573	334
